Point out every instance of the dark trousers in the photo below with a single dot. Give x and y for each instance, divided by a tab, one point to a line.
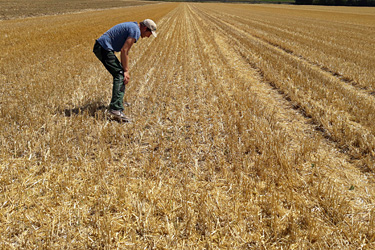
113	65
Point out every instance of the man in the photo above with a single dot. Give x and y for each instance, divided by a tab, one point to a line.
120	37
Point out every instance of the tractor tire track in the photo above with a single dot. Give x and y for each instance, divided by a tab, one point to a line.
288	102
359	126
344	79
260	30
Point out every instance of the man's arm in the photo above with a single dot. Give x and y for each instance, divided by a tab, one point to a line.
125	58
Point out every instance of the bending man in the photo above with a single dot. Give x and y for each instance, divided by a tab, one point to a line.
120	37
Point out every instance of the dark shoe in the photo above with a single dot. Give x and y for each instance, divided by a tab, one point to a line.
118	115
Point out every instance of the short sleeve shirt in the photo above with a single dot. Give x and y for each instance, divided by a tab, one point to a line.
114	39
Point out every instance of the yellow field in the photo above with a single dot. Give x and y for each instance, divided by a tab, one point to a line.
254	129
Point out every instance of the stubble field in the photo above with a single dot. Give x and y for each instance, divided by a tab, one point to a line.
253	129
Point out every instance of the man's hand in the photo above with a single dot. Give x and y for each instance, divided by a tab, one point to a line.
125	58
126	77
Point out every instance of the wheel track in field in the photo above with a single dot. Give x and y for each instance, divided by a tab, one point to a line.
364	90
351	124
286	115
357	87
281	97
344	79
287	104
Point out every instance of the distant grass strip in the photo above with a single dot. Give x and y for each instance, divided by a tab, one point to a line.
25	8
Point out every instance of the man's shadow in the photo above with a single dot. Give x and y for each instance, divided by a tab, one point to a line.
91	108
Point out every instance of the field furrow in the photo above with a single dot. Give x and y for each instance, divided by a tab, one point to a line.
312	89
329	43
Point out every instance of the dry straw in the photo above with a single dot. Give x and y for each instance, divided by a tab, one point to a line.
246	136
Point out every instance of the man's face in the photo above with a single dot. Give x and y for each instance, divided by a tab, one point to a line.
145	32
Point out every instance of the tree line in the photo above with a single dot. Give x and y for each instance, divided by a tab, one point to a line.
300	2
338	2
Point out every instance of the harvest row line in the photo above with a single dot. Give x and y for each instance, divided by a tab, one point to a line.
343	111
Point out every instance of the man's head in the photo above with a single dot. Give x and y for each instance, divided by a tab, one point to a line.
148	27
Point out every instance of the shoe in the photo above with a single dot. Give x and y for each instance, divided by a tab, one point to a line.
118	115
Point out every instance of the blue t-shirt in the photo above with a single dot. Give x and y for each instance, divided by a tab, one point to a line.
116	36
